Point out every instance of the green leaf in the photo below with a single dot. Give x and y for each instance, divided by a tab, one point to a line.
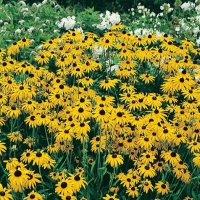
58	162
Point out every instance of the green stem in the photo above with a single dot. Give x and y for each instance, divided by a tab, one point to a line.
46	135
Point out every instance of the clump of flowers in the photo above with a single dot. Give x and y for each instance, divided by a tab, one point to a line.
105	117
66	23
108	20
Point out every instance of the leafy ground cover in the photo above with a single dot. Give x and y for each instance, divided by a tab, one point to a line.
101	107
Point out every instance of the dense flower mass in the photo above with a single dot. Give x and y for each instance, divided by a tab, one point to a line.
109	116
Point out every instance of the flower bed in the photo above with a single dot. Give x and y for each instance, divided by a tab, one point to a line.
105	115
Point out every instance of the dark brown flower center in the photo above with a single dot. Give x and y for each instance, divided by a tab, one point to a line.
163	186
63	185
18	173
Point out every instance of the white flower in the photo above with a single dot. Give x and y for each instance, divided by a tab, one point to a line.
56	31
37	19
114	18
21	21
108	20
44	2
104	25
112	68
24	9
97	51
177	29
39	47
161	8
41	30
18	31
22	3
187	6
197	8
67	23
33	53
30	30
198	18
5	23
38	5
57	6
196	31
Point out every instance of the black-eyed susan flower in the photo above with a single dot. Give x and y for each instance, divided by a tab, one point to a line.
77	181
11	163
68	196
3	148
108	83
32	180
64	187
49	164
82	113
194	146
132	191
82	127
5	193
29	141
162	188
145	142
12	111
13	49
24	42
146	186
127	180
3	98
196	159
42	58
171	156
26	156
29	105
147	158
120	116
15	136
86	81
114	159
147	171
39	157
17	178
112	197
2	52
188	198
33	195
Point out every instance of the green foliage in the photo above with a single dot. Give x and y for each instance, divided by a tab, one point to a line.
87	18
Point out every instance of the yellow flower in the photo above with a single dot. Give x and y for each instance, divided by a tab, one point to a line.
147	78
33	179
3	148
162	188
108	197
33	195
64	187
17	178
5	193
132	191
114	160
15	136
108	83
77	181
